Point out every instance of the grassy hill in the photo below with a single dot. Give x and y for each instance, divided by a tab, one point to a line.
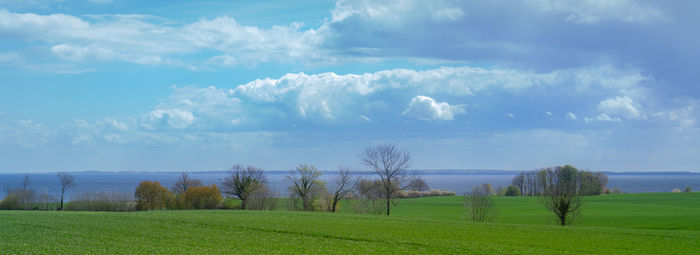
612	224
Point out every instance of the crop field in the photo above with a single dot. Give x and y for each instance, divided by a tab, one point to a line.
611	224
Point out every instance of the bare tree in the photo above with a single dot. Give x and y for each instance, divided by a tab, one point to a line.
66	181
344	183
26	196
562	193
243	182
184	183
479	203
418	184
391	164
303	181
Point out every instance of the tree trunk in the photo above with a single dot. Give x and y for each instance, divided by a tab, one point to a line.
335	202
243	202
388	204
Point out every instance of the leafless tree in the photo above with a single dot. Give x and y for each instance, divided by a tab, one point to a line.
562	193
47	201
184	183
303	181
344	184
391	164
66	181
418	184
26	195
479	203
244	182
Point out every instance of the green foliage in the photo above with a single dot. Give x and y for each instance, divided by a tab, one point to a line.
11	202
687	189
512	191
433	225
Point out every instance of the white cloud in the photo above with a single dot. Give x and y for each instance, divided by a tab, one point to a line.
622	106
510	115
426	108
331	98
548	113
602	117
571	116
144	39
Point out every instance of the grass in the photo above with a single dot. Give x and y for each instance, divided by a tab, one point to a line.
613	224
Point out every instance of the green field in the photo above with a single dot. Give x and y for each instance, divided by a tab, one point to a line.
611	224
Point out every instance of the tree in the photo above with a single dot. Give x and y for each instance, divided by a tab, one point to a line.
344	183
151	196
512	191
562	193
243	182
519	182
418	184
184	183
391	164
303	180
26	196
479	203
687	189
66	182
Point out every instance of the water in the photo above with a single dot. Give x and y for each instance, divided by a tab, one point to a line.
459	183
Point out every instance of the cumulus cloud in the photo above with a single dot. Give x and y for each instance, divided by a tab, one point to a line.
622	106
571	116
329	98
426	108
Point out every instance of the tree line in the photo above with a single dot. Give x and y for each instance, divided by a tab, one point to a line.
26	198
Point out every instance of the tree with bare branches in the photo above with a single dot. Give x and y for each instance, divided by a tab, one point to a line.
390	163
479	203
184	183
562	194
66	181
243	182
304	178
344	183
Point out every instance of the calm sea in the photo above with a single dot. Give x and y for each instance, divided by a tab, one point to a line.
459	183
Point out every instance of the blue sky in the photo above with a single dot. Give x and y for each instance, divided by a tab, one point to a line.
180	86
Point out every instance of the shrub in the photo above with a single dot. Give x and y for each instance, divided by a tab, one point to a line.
687	189
201	197
512	191
152	196
616	191
10	202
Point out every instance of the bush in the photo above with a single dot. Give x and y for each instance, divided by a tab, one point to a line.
687	189
201	197
152	196
10	202
512	191
616	191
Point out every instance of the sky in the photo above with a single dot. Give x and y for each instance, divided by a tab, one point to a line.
201	86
